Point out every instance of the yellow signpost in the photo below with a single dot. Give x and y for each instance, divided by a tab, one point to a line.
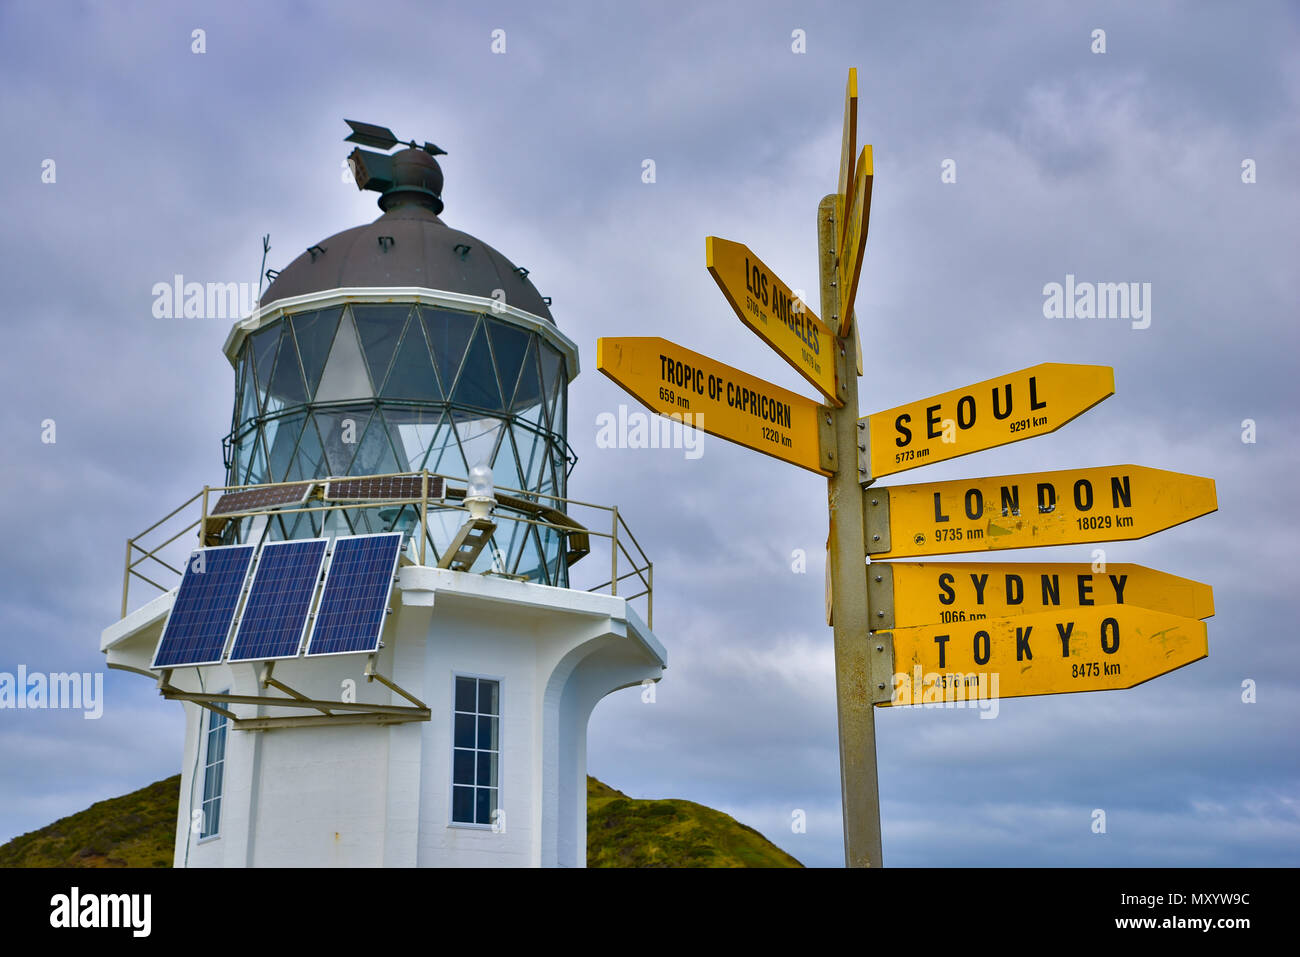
769	307
1082	649
857	214
848	151
1019	405
904	594
715	398
921	633
1068	507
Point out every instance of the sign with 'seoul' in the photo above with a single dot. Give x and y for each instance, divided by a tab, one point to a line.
1019	405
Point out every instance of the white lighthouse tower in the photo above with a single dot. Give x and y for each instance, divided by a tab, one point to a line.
389	625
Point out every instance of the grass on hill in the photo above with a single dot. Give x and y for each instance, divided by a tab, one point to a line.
625	832
134	830
138	830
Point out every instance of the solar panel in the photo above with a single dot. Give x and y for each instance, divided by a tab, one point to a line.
262	497
279	598
386	488
354	600
204	608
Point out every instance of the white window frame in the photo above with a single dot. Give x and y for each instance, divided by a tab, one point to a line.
451	750
204	738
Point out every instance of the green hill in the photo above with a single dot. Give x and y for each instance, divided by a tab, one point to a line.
134	830
625	832
138	830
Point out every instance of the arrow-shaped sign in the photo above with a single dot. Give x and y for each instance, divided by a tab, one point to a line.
1018	405
1083	649
1041	508
779	317
905	594
854	241
702	392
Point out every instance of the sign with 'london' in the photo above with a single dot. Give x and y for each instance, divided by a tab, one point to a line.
1068	507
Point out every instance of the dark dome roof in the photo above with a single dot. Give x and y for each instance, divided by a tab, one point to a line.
423	252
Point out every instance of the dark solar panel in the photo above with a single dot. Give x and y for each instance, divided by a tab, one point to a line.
204	609
385	488
354	601
279	599
254	499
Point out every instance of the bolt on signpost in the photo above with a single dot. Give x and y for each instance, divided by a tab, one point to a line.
915	633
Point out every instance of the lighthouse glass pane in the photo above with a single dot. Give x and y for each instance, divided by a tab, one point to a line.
509	346
380	328
314	333
477	386
380	388
475	750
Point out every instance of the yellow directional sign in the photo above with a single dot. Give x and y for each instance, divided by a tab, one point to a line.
1041	508
1083	649
854	240
722	401
1019	405
904	594
848	148
769	307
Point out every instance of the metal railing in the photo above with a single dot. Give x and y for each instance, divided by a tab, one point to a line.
521	506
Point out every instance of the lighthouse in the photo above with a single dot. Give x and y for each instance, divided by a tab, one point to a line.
387	623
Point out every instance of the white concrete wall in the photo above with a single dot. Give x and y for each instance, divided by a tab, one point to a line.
371	795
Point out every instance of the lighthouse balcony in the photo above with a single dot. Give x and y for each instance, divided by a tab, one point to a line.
519	535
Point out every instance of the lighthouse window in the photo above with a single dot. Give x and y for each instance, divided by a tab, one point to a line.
214	767
476	752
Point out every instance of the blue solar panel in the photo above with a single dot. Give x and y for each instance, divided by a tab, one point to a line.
279	598
204	609
354	601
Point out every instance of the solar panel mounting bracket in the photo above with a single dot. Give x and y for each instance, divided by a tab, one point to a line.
373	675
335	713
266	680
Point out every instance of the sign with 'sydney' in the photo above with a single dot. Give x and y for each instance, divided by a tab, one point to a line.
1068	507
1083	649
1019	405
715	398
904	594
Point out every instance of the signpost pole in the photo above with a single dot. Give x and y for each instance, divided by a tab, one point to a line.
855	678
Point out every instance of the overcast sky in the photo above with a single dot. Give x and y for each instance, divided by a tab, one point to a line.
1122	166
